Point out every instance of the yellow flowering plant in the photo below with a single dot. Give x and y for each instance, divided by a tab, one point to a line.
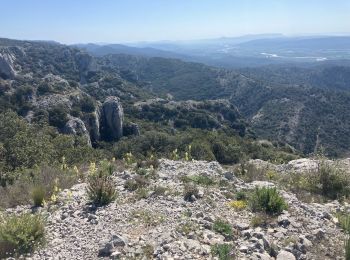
237	204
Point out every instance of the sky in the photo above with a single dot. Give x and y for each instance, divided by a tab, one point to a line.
121	21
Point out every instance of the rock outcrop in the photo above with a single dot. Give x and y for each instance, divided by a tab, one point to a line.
112	117
7	65
86	64
76	126
93	124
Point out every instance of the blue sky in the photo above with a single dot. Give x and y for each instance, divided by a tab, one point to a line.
78	21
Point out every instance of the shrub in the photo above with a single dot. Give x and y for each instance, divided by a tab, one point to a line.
267	200
58	116
30	181
223	227
159	191
262	220
222	251
189	191
202	180
38	195
101	190
142	193
147	217
333	181
241	195
198	179
187	226
20	234
344	222
135	183
347	248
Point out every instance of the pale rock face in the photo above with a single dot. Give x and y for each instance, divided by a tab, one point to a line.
112	119
284	255
94	125
76	126
6	65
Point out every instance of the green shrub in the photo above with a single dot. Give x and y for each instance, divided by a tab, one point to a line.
223	227
141	193
344	222
241	195
135	183
20	234
222	251
202	180
101	190
38	195
198	179
32	183
189	191
159	190
347	248
267	200
334	182
58	116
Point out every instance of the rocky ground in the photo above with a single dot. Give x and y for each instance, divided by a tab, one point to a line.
162	225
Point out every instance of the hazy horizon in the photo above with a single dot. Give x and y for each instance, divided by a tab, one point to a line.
139	21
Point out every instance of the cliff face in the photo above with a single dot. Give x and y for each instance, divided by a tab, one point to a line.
7	59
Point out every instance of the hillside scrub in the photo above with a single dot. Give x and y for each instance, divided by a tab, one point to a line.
20	234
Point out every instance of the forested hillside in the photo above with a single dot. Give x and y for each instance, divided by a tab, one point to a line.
56	101
308	113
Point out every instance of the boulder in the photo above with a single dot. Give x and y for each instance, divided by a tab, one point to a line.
76	126
285	255
112	118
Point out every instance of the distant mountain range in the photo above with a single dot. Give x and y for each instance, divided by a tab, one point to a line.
237	52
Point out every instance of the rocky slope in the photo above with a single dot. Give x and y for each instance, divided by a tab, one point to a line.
162	225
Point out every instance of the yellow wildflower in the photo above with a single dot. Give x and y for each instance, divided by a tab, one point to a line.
237	204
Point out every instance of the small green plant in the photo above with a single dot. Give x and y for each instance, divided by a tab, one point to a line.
174	155
344	222
222	251
267	200
142	193
198	179
186	227
129	158
101	190
347	248
190	190
38	195
222	227
148	251
258	221
20	234
159	191
135	183
241	195
147	217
